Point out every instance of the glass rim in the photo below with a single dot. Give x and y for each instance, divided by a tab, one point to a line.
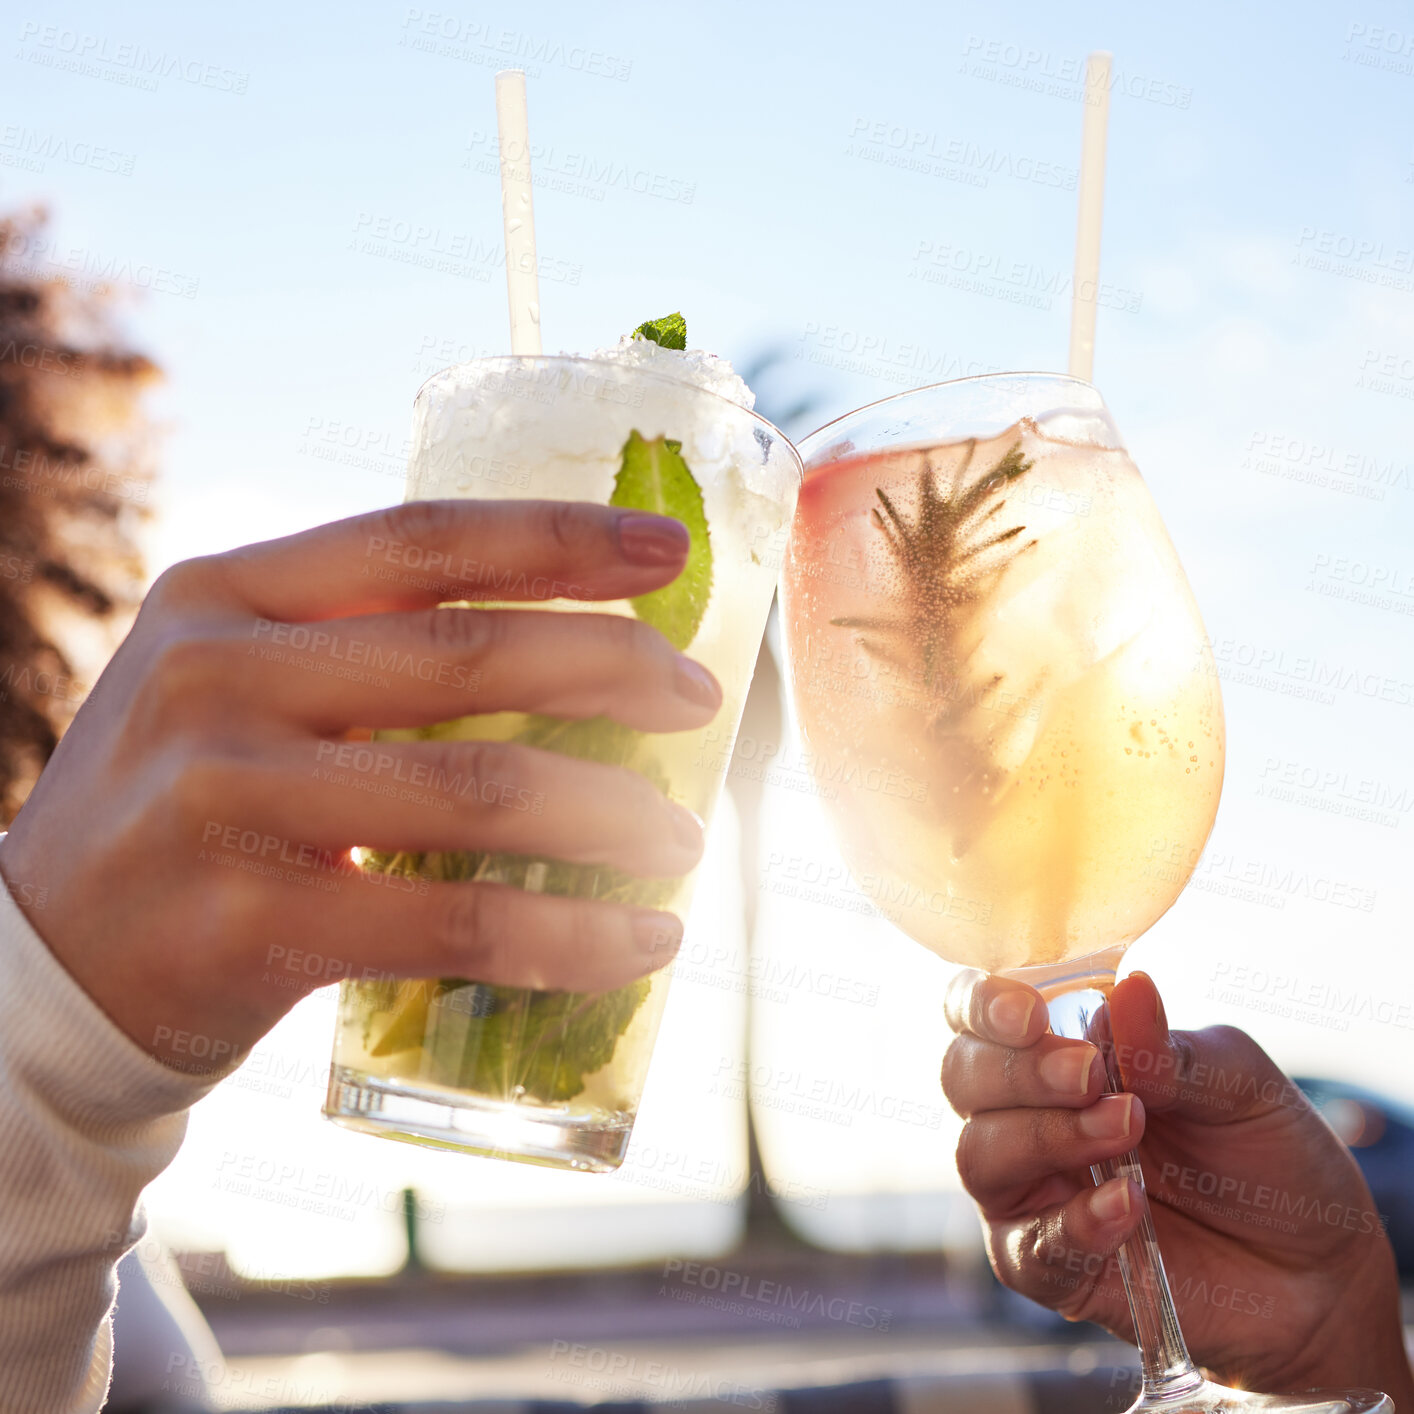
934	387
652	373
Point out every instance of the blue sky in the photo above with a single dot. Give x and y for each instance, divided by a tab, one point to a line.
886	193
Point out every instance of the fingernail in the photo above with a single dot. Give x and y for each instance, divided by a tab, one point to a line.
687	828
1108	1118
693	682
1010	1014
657	934
1110	1201
1067	1072
652	540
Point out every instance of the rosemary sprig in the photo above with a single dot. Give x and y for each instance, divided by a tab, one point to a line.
948	561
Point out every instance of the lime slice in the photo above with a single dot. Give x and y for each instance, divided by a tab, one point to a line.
408	1023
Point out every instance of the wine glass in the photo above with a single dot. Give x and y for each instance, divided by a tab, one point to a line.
999	668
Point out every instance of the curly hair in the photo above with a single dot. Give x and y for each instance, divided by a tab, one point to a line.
74	478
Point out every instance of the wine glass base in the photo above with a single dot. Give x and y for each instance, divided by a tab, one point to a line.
1216	1399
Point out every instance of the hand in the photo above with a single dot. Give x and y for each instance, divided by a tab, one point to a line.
195	821
1279	1265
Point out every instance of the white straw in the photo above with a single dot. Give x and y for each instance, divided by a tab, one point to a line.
1086	285
518	212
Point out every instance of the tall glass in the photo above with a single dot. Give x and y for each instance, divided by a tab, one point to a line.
999	668
554	1078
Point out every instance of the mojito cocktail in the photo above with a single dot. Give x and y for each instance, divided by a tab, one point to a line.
555	1077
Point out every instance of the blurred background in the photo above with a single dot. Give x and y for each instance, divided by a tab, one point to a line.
294	212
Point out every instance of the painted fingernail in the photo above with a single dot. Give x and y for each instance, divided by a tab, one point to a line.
687	828
1110	1201
694	683
1010	1014
1108	1118
1067	1072
657	935
652	540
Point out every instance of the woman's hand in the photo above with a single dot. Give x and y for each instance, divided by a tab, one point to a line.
185	853
1279	1265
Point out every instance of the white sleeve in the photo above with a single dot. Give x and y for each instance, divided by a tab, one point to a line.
87	1120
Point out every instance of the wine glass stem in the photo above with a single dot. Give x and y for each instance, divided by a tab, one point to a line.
1082	1013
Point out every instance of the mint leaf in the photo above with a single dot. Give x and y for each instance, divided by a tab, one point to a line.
503	1041
558	1038
654	477
670	331
588	739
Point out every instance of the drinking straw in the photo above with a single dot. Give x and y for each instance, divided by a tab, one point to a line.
518	212
1086	284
